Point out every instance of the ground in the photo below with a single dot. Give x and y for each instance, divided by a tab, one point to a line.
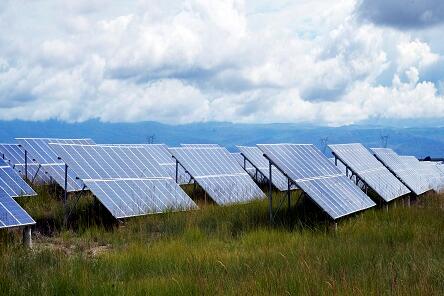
227	250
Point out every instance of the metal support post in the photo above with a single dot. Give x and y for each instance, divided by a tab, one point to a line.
65	197
26	165
270	193
289	193
177	171
27	238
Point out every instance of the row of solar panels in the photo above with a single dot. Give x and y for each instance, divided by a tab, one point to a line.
139	179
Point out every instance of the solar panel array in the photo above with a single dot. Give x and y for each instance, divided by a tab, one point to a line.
430	173
370	170
199	145
126	180
39	150
12	183
408	175
321	180
215	170
256	157
161	154
11	213
15	157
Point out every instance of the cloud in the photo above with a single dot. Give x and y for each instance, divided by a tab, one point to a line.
402	14
191	61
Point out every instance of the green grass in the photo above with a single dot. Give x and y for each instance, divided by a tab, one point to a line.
227	250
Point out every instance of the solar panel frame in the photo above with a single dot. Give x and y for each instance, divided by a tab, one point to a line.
15	156
200	145
11	213
411	179
217	172
239	158
12	183
368	169
124	179
318	178
40	151
430	173
164	158
256	157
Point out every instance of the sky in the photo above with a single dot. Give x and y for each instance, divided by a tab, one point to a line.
323	62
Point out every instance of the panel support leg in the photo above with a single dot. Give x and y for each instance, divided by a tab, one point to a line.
65	197
27	238
270	193
289	195
26	165
177	171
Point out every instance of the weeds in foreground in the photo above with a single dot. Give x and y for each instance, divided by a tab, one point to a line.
230	250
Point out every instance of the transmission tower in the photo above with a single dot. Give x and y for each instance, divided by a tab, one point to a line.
150	139
324	142
384	140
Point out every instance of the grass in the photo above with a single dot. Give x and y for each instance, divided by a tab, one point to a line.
227	250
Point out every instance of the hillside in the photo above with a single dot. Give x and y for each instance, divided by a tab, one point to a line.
227	250
418	141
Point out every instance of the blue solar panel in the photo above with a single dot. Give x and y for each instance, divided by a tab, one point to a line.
320	179
408	175
430	173
12	183
240	160
256	157
161	154
126	179
15	157
11	214
370	170
216	171
199	145
39	150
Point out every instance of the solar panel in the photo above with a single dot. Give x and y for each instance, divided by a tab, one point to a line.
15	157
430	173
237	156
320	179
256	157
38	150
11	213
215	170
340	166
126	180
161	154
408	175
370	170
12	183
199	145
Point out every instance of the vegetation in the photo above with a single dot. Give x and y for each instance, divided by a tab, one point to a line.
226	250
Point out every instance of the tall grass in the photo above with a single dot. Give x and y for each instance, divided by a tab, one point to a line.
231	250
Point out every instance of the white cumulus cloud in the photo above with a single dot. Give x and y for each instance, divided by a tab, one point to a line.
194	60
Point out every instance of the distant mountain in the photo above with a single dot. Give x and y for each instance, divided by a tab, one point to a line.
420	141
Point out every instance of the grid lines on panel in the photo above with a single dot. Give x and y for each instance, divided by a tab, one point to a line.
256	157
216	171
318	177
126	179
408	175
370	170
15	156
40	151
11	213
12	183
